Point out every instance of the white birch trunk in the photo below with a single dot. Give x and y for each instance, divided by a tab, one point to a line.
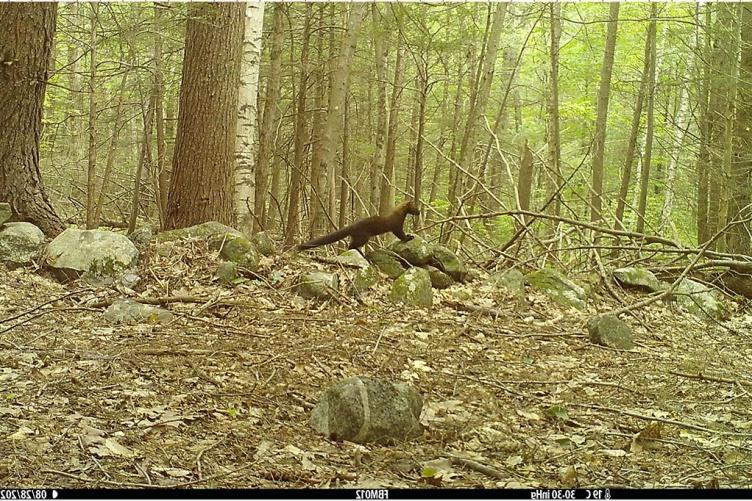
679	134
247	138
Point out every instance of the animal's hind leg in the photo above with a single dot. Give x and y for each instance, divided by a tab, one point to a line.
358	241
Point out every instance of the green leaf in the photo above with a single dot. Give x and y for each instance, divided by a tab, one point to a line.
558	412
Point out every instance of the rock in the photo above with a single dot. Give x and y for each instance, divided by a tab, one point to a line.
227	272
387	262
141	236
263	243
638	278
128	311
352	258
203	230
318	285
236	248
367	410
99	256
439	279
413	288
511	279
416	251
365	278
700	300
20	243
130	280
6	212
609	330
558	288
448	262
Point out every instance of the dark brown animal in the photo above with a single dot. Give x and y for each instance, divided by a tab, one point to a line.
360	231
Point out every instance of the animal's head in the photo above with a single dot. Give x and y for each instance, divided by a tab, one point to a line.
412	208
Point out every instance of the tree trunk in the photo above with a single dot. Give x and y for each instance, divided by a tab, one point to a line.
202	170
676	149
386	193
247	116
553	140
26	33
148	119
297	173
162	188
703	155
525	180
647	155
738	236
333	126
626	175
91	172
267	133
602	114
377	164
316	203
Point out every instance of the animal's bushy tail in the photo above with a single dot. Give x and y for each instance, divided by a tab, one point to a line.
326	239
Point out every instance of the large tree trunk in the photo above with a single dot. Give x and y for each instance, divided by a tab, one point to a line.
602	114
269	119
247	114
26	33
704	126
738	237
202	170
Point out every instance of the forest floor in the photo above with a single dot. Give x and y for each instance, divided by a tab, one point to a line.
221	396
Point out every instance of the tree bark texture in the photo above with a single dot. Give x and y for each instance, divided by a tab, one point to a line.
202	167
647	155
26	33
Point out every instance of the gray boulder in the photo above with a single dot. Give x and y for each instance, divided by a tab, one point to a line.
263	243
318	285
560	289
128	311
609	330
387	262
352	258
700	300
413	288
448	262
439	279
98	256
20	243
417	252
637	278
203	230
367	410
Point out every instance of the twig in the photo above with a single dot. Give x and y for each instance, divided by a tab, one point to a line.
474	465
714	379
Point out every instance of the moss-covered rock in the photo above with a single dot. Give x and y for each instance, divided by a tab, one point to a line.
448	262
560	289
387	262
203	230
263	243
638	278
609	330
439	279
413	288
318	285
700	300
227	273
365	278
417	251
352	257
236	248
512	279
